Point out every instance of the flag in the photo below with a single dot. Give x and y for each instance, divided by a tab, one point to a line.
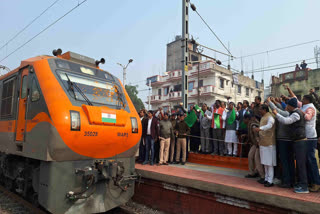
198	109
217	120
232	117
108	118
191	118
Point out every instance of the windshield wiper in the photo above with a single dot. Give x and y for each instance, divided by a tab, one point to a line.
121	98
72	85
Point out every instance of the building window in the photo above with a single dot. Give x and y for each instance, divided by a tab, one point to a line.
227	81
159	91
259	93
190	86
166	91
221	83
200	83
247	91
177	87
7	98
239	89
257	84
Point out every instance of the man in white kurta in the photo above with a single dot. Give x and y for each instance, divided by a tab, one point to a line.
267	145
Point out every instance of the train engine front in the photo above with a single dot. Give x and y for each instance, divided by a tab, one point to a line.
81	134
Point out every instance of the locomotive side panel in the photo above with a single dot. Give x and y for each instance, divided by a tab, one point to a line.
9	90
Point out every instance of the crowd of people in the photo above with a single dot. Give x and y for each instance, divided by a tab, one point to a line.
279	136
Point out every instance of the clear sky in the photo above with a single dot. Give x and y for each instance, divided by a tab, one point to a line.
123	29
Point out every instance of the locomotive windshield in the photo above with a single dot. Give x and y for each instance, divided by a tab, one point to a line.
96	91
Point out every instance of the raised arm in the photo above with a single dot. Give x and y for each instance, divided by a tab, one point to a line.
287	120
280	111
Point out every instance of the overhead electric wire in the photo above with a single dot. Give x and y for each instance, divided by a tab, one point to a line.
276	49
23	29
43	30
214	50
271	69
194	9
271	66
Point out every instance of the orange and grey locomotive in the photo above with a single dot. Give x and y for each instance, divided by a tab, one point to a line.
68	134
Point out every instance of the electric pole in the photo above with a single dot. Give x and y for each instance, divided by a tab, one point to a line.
125	71
149	97
185	55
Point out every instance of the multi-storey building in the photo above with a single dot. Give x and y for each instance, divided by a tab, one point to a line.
207	82
300	82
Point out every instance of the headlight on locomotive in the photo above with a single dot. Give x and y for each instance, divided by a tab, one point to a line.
75	120
134	125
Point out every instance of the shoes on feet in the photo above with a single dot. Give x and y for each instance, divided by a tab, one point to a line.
299	189
315	188
267	184
252	176
261	181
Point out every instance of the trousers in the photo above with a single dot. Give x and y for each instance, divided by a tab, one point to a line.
181	145
172	148
164	150
149	146
218	144
300	150
312	166
287	161
205	142
255	165
269	173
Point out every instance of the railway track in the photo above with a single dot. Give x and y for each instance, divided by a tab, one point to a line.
11	203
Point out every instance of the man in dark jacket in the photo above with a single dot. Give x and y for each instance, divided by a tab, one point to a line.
298	137
142	146
181	130
256	108
284	147
150	134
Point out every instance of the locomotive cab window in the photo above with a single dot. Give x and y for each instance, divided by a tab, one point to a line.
24	87
96	91
35	93
7	98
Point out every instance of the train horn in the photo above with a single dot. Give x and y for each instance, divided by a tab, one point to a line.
102	60
57	52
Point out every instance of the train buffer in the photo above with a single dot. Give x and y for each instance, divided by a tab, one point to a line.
195	188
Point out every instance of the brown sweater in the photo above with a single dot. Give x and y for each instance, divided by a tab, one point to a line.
182	128
268	137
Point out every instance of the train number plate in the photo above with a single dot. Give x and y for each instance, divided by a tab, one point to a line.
90	134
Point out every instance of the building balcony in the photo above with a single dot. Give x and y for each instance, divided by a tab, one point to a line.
207	90
176	95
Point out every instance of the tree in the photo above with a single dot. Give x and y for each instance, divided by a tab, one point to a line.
133	94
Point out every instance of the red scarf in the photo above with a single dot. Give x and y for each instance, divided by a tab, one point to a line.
220	112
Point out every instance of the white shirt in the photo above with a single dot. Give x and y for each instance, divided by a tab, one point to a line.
288	120
245	111
269	125
149	126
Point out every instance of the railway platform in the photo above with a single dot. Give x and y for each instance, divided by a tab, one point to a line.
196	188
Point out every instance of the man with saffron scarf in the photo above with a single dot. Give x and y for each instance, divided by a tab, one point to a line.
231	138
218	123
